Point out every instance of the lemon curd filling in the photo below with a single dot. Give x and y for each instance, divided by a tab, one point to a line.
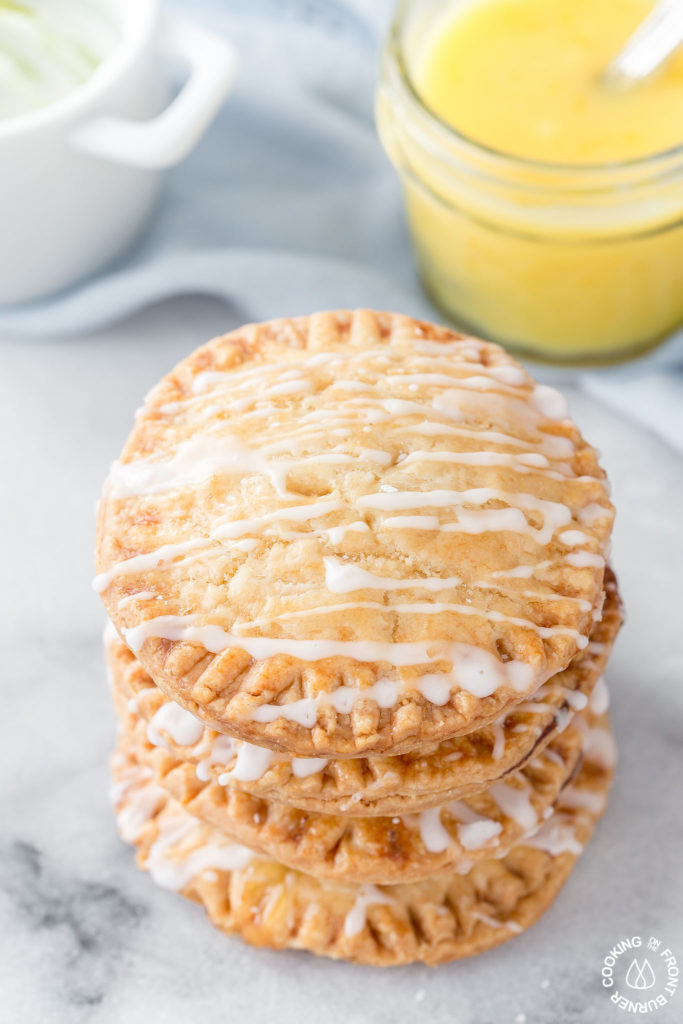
546	208
523	77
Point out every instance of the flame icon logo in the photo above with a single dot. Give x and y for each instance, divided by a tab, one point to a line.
640	976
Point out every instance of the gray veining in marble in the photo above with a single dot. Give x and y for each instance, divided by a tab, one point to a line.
87	937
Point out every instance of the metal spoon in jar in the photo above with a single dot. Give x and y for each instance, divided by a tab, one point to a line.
650	46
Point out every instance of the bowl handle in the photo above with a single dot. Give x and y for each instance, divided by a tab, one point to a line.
168	138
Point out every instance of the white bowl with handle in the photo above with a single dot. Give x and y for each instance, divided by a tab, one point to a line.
78	176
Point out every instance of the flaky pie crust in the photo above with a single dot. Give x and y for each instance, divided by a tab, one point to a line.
245	410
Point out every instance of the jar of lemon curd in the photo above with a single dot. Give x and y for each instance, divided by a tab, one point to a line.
546	210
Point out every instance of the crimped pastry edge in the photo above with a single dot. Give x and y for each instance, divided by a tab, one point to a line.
410	782
212	685
440	919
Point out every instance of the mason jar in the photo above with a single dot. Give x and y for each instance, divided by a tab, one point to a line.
568	264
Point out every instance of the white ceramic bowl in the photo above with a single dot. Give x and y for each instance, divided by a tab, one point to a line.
78	177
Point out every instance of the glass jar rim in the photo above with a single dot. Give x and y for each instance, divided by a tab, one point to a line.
395	49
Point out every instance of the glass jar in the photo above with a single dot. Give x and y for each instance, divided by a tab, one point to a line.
573	264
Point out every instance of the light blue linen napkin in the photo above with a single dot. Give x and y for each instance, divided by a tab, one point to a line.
289	204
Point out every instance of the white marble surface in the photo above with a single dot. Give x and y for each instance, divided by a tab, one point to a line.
87	937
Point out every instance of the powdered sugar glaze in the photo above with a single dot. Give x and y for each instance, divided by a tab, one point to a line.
445	407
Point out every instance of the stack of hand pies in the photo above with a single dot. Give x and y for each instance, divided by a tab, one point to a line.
355	565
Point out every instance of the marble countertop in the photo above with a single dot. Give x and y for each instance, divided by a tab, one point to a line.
87	937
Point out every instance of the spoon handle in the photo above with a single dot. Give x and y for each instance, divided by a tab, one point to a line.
650	45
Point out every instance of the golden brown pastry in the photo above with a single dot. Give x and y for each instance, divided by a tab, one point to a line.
352	533
401	848
445	917
383	784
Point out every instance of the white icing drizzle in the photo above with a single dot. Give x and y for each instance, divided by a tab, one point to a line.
295	513
304	767
357	575
547	445
454	392
585	560
577	701
176	872
412	522
183	728
522	463
512	375
473	669
297	386
338	533
246	544
345	577
141	595
109	634
550	402
305	711
199	457
583	604
222	750
552	755
599	747
572	538
478	834
202	457
430	608
556	836
498	740
289	379
486	919
435	688
195	460
516	804
475	831
149	560
563	716
252	763
355	920
117	790
434	836
167	553
352	385
476	381
520	571
591	513
555	514
575	798
142	803
599	698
